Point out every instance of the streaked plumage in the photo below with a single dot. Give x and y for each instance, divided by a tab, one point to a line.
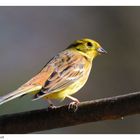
63	75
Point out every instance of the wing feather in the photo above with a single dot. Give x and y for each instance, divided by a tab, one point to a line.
67	68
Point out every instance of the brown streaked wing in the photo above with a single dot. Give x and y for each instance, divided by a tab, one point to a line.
68	67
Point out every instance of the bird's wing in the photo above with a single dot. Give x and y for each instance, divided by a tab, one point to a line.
68	67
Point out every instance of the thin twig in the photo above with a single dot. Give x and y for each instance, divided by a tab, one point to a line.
89	111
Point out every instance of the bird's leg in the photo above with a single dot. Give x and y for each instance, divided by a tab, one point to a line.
73	99
73	105
51	105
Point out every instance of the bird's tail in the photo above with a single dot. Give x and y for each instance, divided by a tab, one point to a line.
19	92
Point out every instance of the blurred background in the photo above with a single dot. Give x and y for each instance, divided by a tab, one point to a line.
31	36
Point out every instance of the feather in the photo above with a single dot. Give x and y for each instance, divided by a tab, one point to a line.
63	77
18	93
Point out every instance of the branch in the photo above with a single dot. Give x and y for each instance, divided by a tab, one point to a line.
89	111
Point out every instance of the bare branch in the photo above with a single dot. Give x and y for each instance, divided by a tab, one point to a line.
89	111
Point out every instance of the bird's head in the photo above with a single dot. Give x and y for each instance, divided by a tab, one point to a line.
88	47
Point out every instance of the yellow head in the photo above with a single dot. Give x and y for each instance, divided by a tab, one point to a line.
87	47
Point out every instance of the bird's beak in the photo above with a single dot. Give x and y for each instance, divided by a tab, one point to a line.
101	50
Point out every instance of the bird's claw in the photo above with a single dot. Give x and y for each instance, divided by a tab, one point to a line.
51	107
73	106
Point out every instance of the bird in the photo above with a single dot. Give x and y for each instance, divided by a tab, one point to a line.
64	75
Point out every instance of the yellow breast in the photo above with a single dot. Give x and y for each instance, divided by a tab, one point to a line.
73	88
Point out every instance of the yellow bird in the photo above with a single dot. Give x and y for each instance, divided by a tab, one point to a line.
63	75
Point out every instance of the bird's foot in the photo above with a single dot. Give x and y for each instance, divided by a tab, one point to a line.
51	107
73	106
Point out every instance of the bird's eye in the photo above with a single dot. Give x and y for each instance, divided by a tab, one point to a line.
89	44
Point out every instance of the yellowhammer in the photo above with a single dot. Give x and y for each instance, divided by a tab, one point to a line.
63	75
